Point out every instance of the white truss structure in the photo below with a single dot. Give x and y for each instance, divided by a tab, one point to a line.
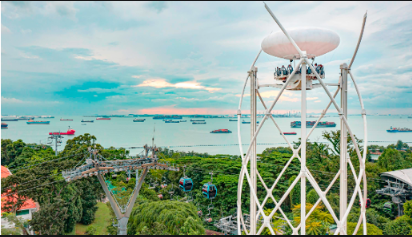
305	175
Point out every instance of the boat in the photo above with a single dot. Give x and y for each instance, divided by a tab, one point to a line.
198	122
25	118
221	131
171	121
4	125
9	119
87	121
393	130
167	117
103	118
69	132
289	133
37	122
183	121
66	119
245	122
232	120
138	120
310	124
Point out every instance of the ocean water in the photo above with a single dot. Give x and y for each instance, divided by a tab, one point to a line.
123	132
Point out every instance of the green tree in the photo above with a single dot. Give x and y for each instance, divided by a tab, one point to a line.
399	226
372	229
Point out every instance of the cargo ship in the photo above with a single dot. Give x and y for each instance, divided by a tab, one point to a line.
221	131
393	130
9	119
198	122
37	122
138	120
289	133
245	122
66	119
183	121
25	118
4	125
87	121
309	124
103	118
69	132
171	121
167	117
232	120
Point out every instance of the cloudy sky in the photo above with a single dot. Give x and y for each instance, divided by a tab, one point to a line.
77	58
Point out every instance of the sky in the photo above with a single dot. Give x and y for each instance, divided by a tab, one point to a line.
83	58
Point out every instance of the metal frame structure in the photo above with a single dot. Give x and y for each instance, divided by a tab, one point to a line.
256	207
96	165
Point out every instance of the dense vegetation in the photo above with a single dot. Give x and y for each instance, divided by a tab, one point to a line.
62	204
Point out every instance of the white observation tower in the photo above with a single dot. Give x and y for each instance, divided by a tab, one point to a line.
300	46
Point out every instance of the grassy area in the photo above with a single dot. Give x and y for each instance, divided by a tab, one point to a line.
100	223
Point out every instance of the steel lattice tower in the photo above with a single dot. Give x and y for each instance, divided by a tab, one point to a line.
250	159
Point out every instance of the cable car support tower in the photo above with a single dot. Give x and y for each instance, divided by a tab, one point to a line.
97	165
301	81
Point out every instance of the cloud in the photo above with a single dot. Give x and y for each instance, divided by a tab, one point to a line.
162	83
10	100
172	110
159	6
5	30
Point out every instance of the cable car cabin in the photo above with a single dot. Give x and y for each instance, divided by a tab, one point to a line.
209	191
388	207
186	184
282	74
368	203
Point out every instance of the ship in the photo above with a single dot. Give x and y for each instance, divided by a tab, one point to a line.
4	125
9	119
221	131
69	132
289	133
103	118
171	121
138	120
167	117
232	120
183	121
25	118
309	124
393	130
37	122
66	119
198	122
245	122
87	121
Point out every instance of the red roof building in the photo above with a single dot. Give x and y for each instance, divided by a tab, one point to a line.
28	204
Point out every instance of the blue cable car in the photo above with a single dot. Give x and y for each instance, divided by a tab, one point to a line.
209	190
186	184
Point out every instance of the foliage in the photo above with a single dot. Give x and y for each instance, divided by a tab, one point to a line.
91	230
399	226
372	229
19	223
171	214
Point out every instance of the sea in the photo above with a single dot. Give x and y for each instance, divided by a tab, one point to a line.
185	136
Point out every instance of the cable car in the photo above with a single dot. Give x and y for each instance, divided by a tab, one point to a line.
388	207
368	203
209	190
186	184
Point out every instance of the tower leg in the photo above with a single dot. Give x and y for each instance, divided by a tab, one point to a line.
343	203
253	120
303	152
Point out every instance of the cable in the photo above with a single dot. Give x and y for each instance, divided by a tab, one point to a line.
32	188
32	180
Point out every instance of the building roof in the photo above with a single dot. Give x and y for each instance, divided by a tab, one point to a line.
28	204
402	175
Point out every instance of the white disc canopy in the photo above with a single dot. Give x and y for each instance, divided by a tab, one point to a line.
314	41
